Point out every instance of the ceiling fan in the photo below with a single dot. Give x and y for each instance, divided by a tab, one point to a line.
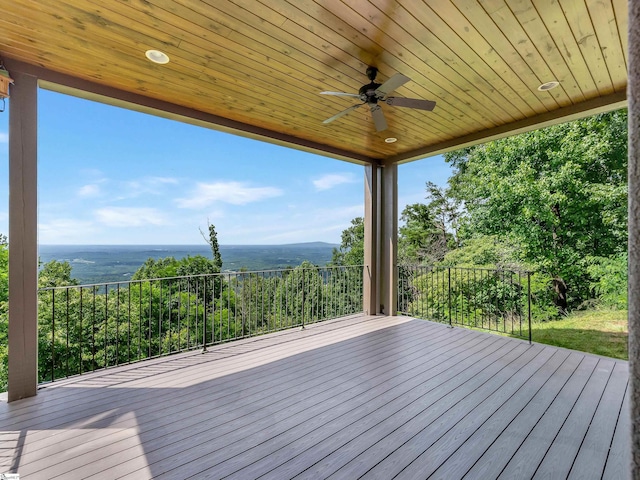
373	92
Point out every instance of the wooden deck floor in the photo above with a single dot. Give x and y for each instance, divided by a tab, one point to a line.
360	397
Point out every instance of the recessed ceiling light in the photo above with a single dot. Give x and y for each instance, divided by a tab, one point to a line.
391	140
548	86
156	56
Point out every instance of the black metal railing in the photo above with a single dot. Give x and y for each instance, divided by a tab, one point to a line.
498	300
83	328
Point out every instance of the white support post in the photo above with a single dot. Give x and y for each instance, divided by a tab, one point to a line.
23	241
389	249
371	219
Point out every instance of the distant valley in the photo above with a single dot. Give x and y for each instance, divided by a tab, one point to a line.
114	263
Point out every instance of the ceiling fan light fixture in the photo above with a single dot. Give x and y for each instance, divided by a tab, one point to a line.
548	86
390	140
156	56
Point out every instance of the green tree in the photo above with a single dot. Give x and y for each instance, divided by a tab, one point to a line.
351	251
56	274
559	193
445	213
212	240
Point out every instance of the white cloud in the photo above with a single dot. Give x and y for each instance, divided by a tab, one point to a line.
130	216
90	190
307	225
146	186
235	193
62	230
4	137
331	180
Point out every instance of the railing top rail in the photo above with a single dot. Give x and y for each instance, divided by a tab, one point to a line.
202	275
485	269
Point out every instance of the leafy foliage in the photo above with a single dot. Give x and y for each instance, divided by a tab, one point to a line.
351	251
609	280
83	328
558	193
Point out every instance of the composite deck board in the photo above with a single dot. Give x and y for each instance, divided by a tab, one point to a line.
340	448
256	416
589	462
313	412
367	416
145	376
451	428
526	460
179	427
619	457
487	451
371	397
513	392
564	449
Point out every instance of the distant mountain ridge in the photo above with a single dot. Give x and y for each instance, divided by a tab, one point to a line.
293	245
115	263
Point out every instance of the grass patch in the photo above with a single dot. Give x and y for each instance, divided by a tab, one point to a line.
602	332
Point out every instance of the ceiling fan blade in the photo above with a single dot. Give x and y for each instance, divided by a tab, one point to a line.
341	94
390	85
411	103
378	118
343	112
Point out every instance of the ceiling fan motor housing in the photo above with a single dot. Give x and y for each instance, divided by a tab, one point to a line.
368	93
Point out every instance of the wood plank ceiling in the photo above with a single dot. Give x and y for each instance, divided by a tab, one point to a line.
263	63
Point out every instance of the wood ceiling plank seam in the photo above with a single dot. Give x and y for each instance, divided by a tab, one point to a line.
579	20
144	68
410	47
328	28
387	59
530	19
71	85
266	88
459	23
263	42
558	27
147	90
65	9
283	39
206	10
434	24
604	20
445	101
76	41
486	27
78	33
590	107
236	33
511	28
16	50
265	92
620	8
361	81
403	115
154	9
236	61
471	82
313	16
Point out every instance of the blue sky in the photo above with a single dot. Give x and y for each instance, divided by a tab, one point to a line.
112	176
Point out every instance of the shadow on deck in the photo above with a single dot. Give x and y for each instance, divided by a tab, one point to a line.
357	397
